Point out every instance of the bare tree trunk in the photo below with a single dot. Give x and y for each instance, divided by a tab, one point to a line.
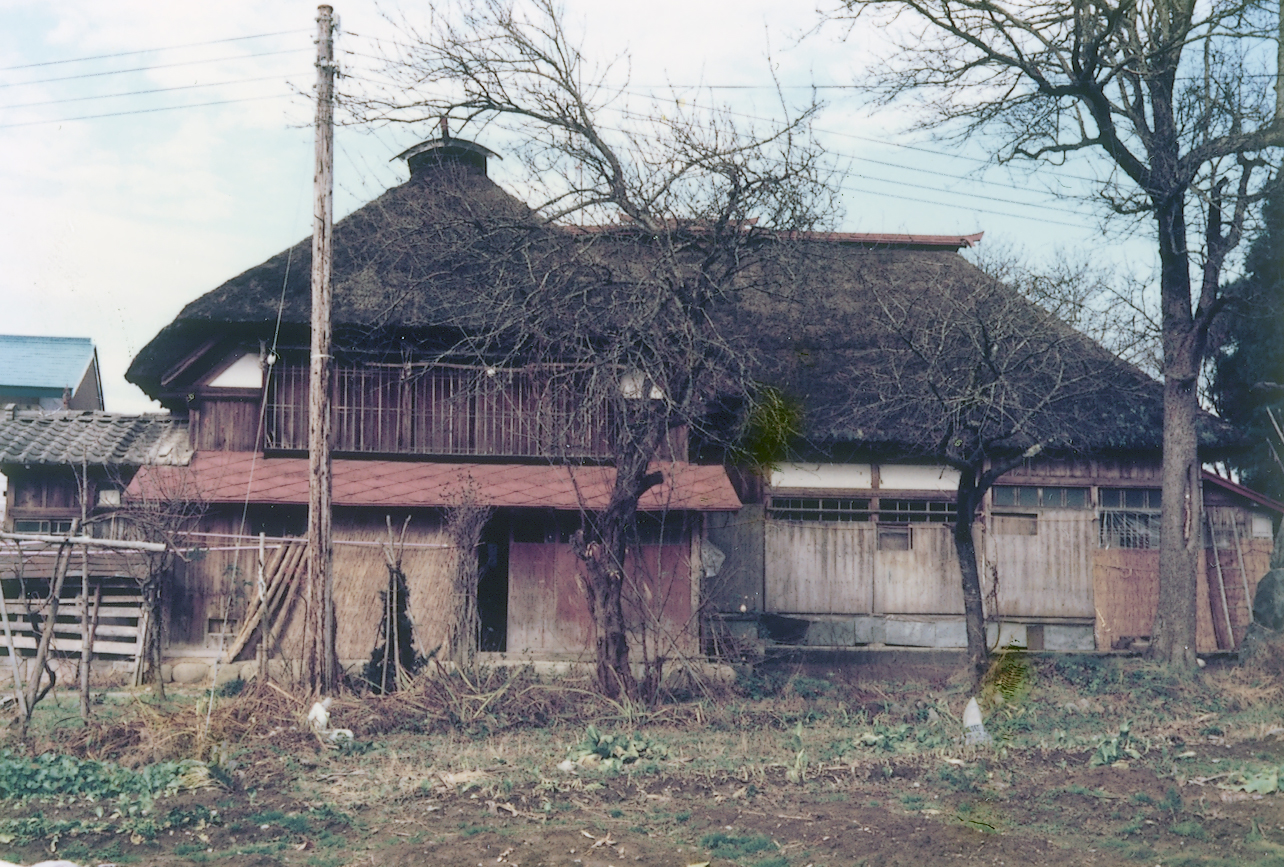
1180	537
978	656
38	665
604	563
603	558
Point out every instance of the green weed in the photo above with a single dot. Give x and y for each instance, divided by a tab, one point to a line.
1190	828
733	847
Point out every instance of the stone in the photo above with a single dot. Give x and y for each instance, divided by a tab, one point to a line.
1268	602
167	672
190	672
227	673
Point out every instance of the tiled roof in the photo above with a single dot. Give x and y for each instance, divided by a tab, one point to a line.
30	438
231	477
50	363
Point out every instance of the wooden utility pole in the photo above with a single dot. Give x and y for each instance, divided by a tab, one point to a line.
321	673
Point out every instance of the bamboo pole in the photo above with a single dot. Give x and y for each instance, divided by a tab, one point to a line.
255	601
13	655
1243	575
144	623
93	622
123	544
84	595
284	566
301	566
262	588
1221	579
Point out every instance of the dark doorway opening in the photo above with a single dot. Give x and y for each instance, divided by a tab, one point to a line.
492	586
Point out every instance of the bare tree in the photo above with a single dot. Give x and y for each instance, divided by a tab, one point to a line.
689	208
962	369
1100	300
1161	91
164	511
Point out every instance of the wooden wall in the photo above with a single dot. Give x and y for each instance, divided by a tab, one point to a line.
225	425
225	580
214	582
824	568
1126	596
1048	574
548	610
739	582
819	568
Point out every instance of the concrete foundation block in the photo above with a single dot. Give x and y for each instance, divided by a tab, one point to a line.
925	633
831	633
1004	635
1078	639
951	633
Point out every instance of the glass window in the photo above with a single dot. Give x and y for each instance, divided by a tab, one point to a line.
1075	498
1129	518
44	526
916	511
1047	497
842	509
894	537
1016	525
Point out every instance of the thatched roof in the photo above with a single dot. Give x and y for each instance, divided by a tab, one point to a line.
880	349
412	261
409	260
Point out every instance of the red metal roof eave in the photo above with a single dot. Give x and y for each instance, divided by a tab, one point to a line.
1240	490
237	477
867	238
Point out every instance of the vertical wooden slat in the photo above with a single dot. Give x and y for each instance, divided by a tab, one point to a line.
447	411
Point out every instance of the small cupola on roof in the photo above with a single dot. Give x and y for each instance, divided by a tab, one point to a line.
446	151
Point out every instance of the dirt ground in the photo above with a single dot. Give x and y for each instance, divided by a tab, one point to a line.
826	770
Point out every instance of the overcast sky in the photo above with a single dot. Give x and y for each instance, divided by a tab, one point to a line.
121	206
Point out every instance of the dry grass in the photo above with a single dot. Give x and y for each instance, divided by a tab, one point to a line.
145	733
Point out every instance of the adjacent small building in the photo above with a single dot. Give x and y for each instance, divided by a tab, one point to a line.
49	373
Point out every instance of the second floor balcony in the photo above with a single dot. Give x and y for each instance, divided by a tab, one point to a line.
449	410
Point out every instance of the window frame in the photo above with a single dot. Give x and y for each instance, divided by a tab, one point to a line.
1128	518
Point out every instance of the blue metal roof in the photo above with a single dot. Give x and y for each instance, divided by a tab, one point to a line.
49	364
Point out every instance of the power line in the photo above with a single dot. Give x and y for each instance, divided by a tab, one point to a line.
920	148
139	92
156	66
149	50
1003	201
143	111
902	198
962	193
909	168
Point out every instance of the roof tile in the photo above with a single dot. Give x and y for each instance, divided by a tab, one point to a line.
234	477
63	438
